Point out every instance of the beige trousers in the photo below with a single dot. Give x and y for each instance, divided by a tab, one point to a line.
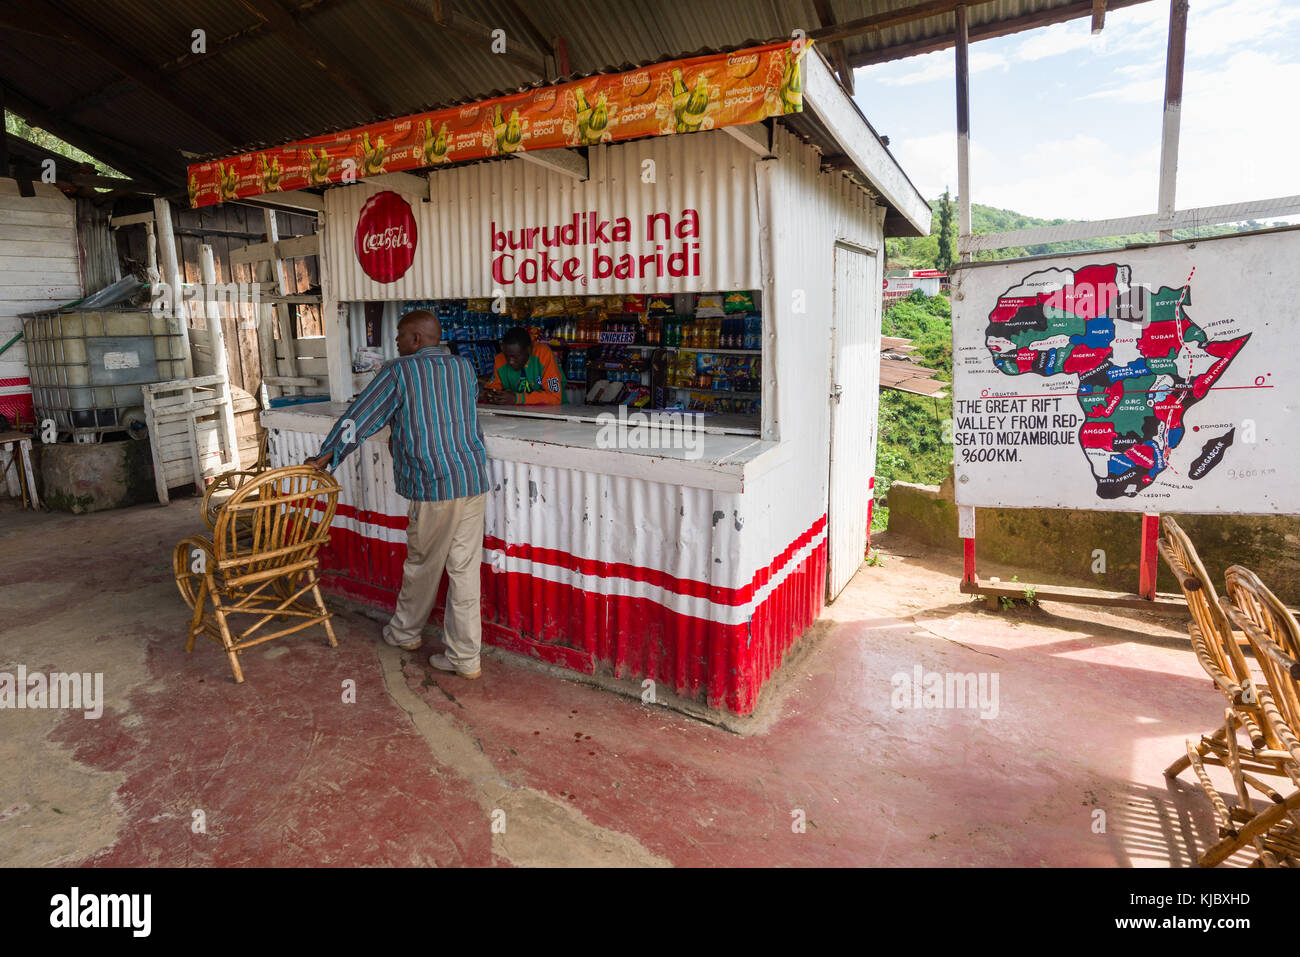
440	535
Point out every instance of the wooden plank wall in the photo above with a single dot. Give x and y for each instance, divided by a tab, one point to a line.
225	228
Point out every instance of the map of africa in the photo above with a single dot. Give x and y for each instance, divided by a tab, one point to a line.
1140	361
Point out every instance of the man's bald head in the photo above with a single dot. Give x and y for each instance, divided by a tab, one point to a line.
418	330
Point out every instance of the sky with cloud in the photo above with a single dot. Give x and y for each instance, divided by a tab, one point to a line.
1064	123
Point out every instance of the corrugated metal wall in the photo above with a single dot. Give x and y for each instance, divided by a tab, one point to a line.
807	212
611	523
99	263
708	172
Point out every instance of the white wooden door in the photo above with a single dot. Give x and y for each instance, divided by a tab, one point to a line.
855	386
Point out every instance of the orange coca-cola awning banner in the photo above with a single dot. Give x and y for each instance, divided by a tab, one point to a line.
679	96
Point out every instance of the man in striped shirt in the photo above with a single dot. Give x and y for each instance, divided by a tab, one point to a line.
426	397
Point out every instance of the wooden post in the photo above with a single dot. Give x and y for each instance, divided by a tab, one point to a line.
963	130
1147	567
966	531
151	251
1174	55
283	311
162	215
155	449
338	357
217	337
265	317
208	273
28	477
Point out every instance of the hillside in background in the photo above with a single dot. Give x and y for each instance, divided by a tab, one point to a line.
910	444
923	253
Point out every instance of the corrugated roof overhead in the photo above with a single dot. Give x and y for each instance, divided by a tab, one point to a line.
119	78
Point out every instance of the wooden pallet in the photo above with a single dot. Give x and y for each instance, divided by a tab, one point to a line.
191	431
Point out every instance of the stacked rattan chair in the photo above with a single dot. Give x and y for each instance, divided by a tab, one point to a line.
1261	706
261	564
216	494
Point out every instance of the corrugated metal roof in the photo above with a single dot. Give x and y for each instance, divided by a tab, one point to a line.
257	87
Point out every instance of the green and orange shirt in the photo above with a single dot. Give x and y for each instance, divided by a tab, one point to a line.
540	382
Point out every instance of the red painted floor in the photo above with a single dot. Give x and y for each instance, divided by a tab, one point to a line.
1091	707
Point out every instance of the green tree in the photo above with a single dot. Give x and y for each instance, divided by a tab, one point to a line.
947	234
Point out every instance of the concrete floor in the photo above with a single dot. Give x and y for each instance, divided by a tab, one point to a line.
523	768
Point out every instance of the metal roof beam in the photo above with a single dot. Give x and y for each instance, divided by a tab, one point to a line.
1175	52
753	136
470	29
568	163
339	73
539	39
1098	16
460	25
890	18
987	31
118	55
240	37
292	201
408	184
826	17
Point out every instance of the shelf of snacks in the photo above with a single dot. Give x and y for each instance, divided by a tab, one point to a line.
692	388
705	370
703	350
717	352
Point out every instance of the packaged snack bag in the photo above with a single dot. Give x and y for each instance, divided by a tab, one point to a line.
740	301
708	305
659	306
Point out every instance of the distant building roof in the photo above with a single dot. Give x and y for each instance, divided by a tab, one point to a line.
900	372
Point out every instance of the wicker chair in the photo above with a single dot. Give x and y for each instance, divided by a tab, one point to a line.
1217	649
261	561
217	494
1274	637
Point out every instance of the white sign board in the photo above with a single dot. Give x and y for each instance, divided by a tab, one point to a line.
1162	379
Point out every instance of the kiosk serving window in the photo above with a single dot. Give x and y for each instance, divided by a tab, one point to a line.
699	353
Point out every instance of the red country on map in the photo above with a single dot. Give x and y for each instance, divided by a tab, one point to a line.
1092	293
1135	391
1226	351
1160	339
1097	435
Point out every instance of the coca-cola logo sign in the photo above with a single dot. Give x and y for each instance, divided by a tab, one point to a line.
386	237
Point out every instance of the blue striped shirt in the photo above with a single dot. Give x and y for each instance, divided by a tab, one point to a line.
427	399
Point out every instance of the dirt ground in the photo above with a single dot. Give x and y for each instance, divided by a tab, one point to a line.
523	767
